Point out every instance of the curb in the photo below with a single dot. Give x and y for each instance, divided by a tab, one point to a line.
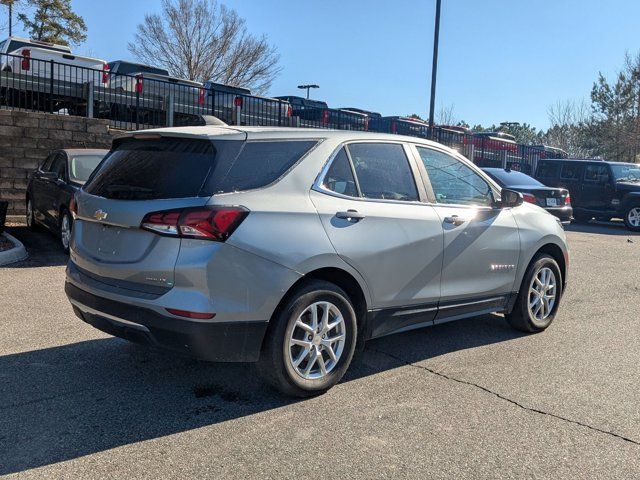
15	254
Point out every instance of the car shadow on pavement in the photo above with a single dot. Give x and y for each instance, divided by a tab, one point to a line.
65	402
44	249
603	228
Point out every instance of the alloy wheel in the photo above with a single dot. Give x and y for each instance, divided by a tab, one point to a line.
317	340
633	217
542	294
65	231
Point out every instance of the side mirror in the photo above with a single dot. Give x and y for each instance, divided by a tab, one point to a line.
509	198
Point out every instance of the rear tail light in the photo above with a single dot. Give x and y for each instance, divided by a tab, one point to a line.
394	127
105	73
201	95
325	116
206	223
529	198
289	111
25	64
139	83
73	207
238	102
366	124
567	199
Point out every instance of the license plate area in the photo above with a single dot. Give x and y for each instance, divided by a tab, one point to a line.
552	202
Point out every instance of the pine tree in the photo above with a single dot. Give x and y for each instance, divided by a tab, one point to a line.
54	21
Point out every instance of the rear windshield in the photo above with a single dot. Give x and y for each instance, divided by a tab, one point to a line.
81	166
130	68
140	169
512	178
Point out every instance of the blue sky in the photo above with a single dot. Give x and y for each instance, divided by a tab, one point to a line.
500	60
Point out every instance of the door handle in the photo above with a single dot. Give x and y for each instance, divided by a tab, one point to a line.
454	219
350	215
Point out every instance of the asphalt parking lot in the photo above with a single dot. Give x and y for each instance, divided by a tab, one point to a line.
469	399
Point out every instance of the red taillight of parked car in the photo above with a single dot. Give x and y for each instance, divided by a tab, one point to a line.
325	116
289	111
238	102
567	199
139	83
25	64
394	127
201	96
206	223
366	124
529	198
105	73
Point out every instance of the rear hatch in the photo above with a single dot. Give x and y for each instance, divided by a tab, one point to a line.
141	175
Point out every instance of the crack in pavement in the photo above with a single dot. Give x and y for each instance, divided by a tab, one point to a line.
506	399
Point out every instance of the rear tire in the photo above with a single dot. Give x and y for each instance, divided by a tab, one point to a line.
632	218
539	296
302	358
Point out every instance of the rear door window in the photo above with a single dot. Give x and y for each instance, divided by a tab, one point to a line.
339	177
383	171
570	171
597	173
547	170
59	165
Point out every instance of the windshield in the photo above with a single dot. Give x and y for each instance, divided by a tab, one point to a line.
81	166
510	178
626	172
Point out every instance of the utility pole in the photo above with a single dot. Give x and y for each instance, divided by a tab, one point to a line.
434	69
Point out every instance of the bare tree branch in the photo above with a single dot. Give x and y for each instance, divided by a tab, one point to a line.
204	40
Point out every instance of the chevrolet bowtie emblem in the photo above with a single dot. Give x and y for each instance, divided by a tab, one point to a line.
100	215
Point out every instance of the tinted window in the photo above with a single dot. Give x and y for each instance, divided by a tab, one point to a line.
258	165
81	166
339	177
130	68
570	171
452	181
547	170
596	173
58	165
46	165
383	171
626	171
512	178
147	169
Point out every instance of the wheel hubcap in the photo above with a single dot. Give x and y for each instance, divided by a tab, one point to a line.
317	340
65	231
634	217
542	294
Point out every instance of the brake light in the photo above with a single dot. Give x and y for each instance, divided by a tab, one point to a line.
206	223
188	314
529	198
325	116
139	83
105	73
73	207
201	94
567	199
289	111
366	124
394	127
26	59
238	102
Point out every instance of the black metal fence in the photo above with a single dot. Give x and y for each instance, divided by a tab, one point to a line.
136	102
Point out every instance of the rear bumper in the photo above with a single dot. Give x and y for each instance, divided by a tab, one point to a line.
208	340
563	213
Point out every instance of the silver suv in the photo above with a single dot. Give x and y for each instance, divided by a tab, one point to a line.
290	246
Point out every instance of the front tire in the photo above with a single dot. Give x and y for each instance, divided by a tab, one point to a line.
31	219
311	341
632	218
539	296
66	228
